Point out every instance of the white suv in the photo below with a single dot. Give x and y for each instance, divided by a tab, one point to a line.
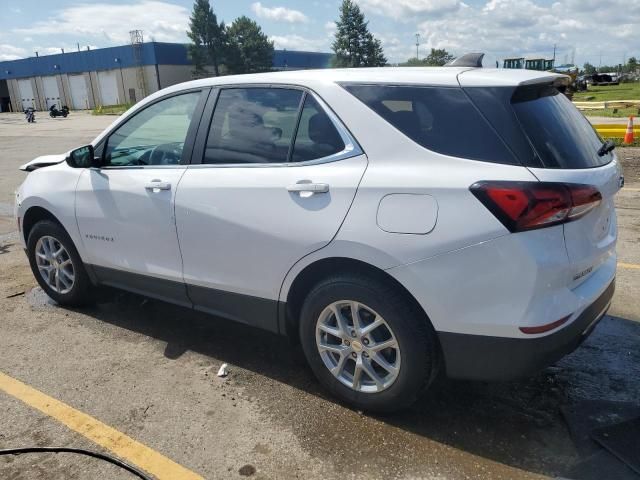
398	222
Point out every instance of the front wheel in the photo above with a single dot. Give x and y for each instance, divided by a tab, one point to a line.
368	343
57	266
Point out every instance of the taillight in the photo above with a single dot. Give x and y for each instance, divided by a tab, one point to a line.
528	205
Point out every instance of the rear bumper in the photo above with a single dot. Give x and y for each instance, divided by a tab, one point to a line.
479	357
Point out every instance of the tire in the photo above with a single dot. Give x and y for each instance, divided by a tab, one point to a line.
416	356
75	292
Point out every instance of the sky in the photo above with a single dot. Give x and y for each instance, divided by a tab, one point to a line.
598	31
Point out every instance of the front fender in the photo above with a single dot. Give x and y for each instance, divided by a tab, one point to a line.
52	188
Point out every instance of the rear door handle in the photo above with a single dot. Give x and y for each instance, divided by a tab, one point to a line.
157	185
309	188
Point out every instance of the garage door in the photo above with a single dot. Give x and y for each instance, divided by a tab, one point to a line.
26	94
108	88
51	92
79	95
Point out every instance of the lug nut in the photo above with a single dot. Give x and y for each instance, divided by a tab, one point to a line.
365	354
347	343
365	341
353	333
353	354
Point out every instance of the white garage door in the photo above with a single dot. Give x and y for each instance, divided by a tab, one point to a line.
79	95
26	94
108	88
51	92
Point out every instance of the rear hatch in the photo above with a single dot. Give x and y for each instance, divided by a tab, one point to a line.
558	144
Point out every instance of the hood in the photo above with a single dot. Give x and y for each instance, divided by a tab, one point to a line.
43	161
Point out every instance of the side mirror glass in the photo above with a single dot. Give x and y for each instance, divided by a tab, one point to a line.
82	157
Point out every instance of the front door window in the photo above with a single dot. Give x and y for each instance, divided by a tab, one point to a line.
155	136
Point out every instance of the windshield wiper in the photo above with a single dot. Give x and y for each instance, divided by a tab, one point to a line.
606	147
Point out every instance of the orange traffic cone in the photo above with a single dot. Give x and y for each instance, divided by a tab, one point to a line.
628	137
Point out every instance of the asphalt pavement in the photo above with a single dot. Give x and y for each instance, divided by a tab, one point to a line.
138	377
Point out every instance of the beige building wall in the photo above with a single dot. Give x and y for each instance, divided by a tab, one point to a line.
156	78
173	74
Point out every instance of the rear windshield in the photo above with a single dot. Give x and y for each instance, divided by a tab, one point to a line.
561	136
442	119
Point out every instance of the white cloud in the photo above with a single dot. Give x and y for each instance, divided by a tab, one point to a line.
530	28
297	42
279	14
407	10
9	52
165	22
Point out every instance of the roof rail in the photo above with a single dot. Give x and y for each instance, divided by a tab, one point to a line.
467	60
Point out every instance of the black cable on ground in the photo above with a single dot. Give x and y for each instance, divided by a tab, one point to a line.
80	451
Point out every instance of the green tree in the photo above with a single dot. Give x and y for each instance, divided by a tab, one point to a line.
607	68
438	57
250	50
414	62
632	65
375	52
354	45
589	69
208	38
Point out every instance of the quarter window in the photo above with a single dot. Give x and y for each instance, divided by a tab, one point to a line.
154	136
253	125
441	119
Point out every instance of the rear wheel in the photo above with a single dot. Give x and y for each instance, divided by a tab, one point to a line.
367	343
57	266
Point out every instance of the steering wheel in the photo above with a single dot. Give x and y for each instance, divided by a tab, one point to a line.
166	154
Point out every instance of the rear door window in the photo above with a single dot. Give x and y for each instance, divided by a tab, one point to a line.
441	119
561	136
253	125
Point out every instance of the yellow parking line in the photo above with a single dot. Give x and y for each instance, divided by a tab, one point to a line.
124	447
627	189
629	265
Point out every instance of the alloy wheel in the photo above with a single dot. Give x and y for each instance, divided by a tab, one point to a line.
54	264
358	346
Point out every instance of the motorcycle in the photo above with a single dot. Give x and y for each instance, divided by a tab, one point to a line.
30	115
54	112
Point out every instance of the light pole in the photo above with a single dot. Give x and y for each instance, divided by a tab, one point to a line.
417	46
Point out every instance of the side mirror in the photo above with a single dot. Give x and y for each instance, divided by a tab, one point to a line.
83	157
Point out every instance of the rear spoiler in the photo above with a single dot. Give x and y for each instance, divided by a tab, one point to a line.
467	60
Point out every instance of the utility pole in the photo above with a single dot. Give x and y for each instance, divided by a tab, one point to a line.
554	54
417	46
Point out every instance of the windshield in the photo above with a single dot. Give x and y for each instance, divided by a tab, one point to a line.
560	134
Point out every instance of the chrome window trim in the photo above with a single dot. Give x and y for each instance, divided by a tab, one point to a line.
351	146
140	167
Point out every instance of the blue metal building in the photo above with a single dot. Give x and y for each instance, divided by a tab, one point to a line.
114	75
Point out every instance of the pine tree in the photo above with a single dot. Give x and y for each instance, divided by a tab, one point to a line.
250	50
375	53
208	38
354	45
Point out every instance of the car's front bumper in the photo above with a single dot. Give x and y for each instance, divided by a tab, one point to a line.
480	357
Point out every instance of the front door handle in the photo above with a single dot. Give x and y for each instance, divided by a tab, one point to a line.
308	188
157	185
